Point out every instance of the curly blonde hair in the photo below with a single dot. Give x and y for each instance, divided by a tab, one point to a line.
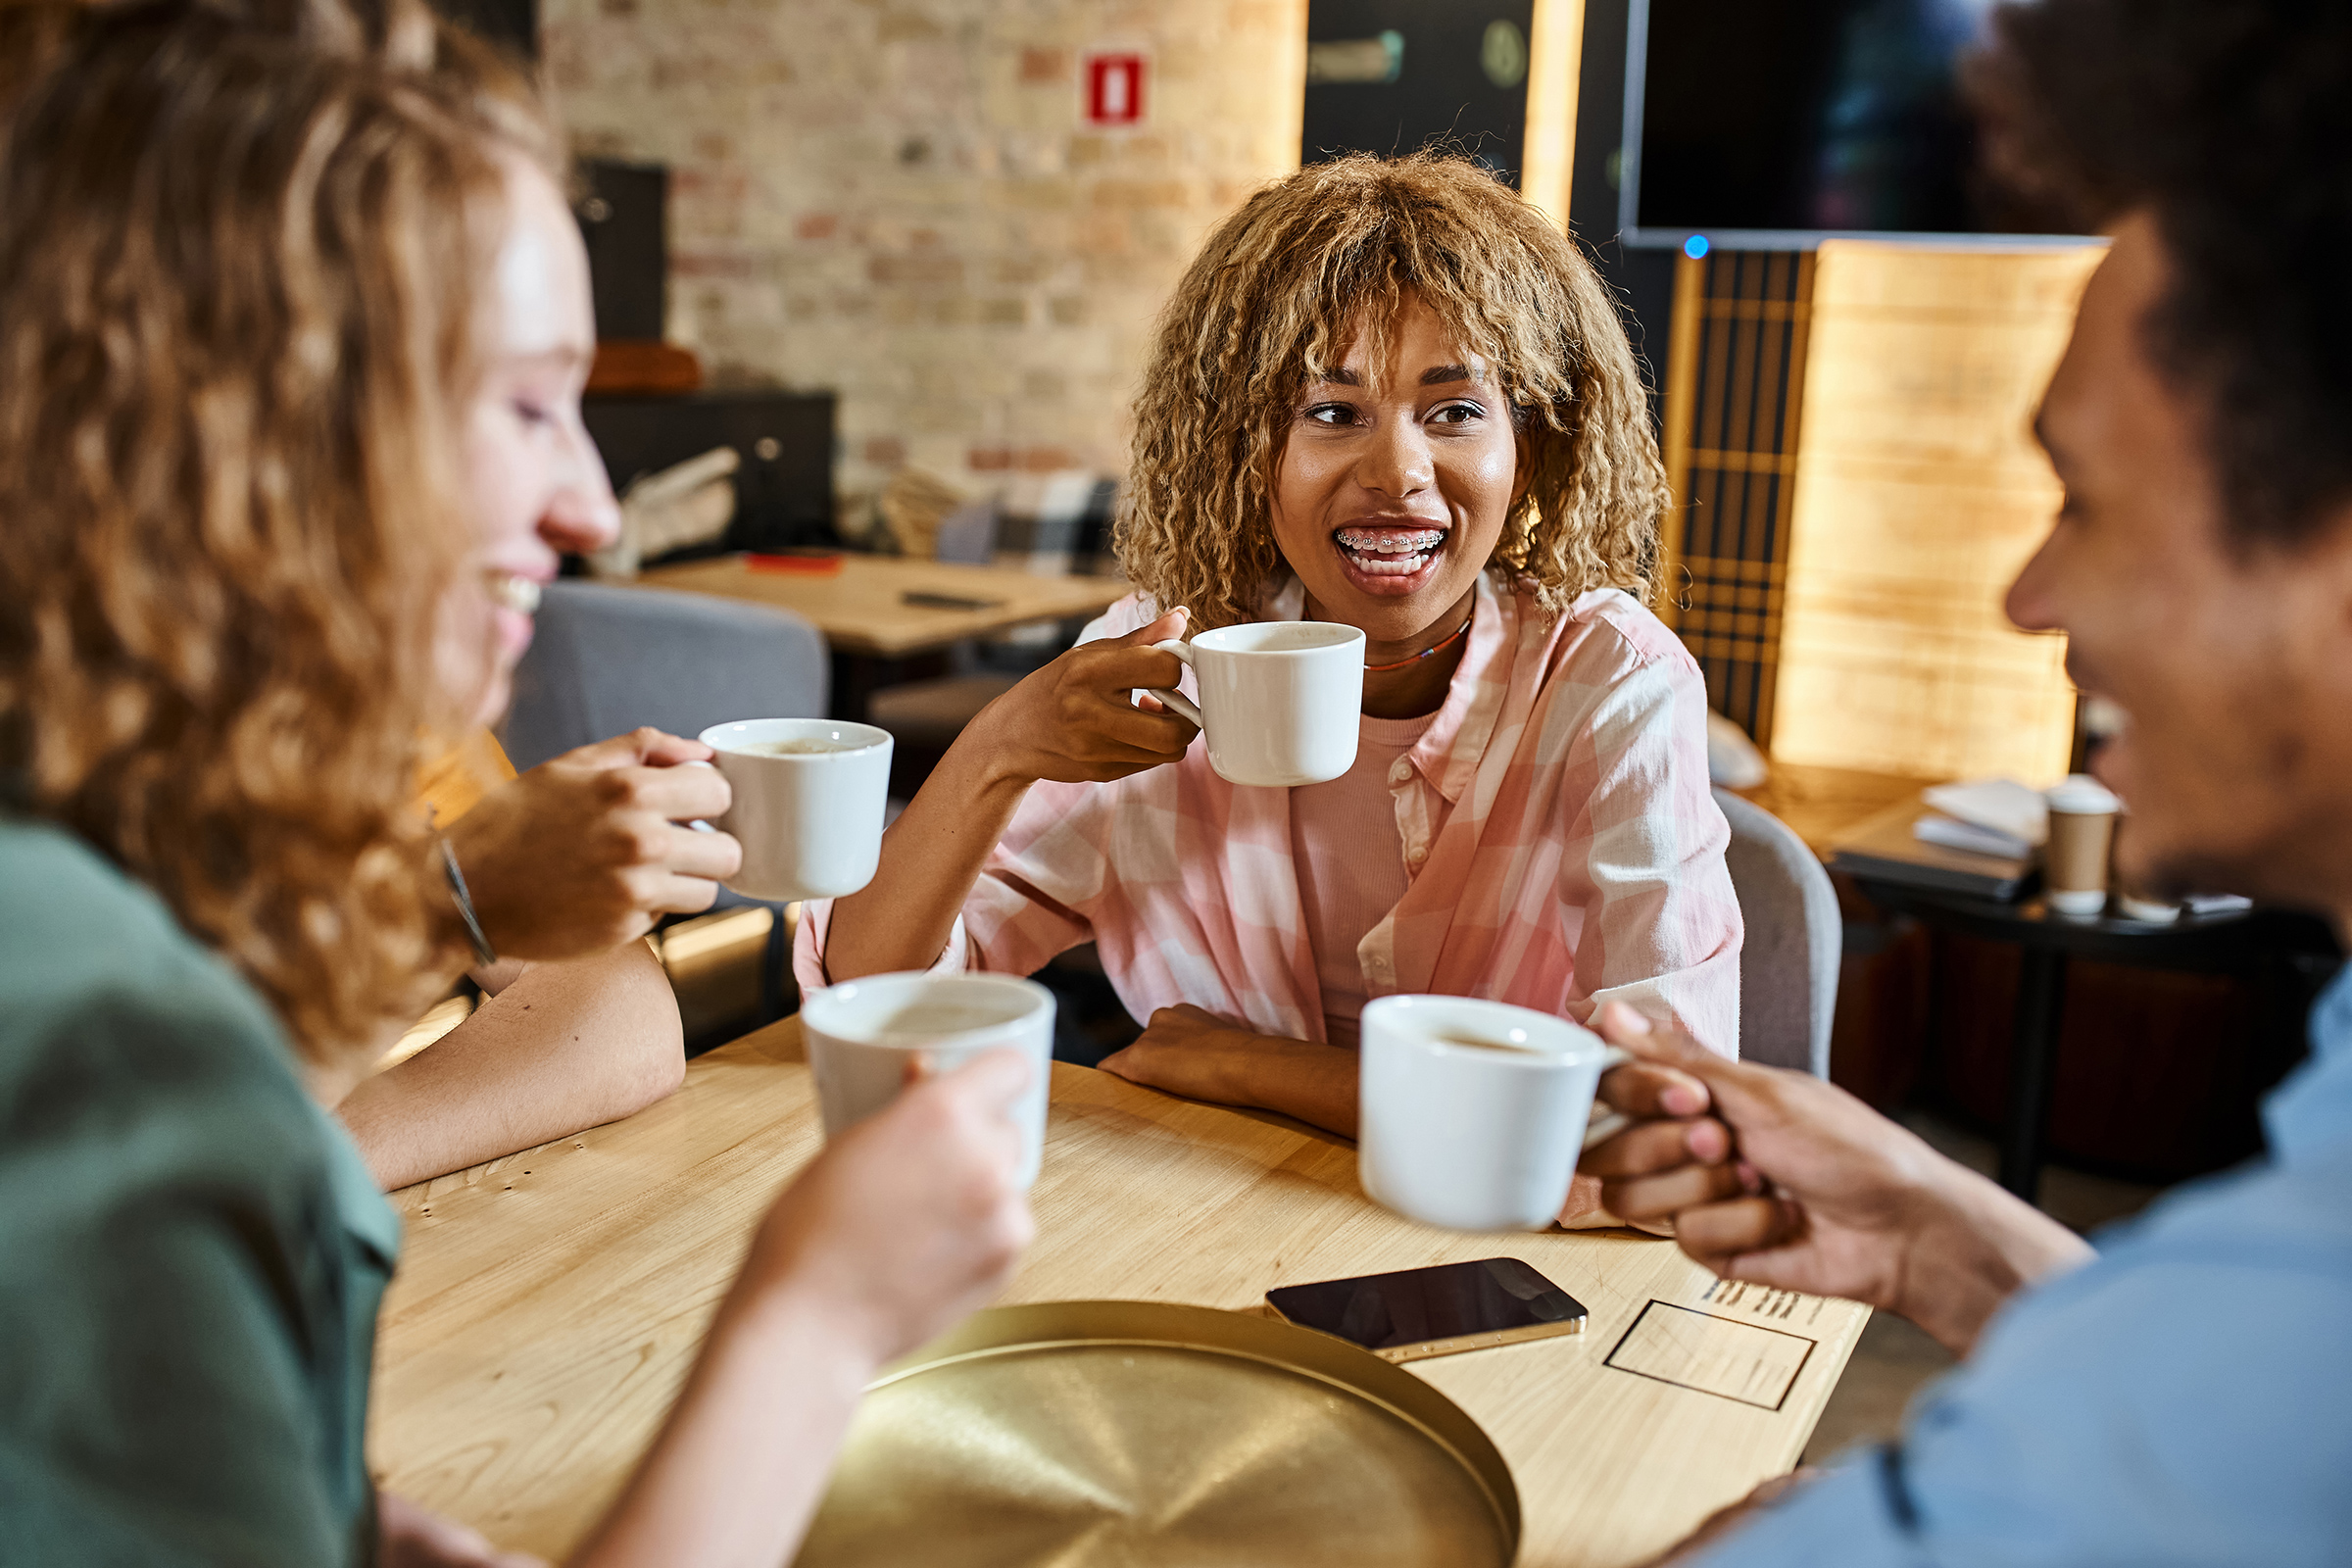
238	254
1274	300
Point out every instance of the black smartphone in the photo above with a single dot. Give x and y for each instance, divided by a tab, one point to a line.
1419	1312
923	599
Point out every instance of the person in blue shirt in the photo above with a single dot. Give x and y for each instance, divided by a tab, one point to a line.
2183	1395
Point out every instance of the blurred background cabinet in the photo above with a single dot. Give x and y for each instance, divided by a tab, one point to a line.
784	490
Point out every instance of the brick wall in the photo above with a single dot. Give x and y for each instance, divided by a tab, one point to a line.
894	200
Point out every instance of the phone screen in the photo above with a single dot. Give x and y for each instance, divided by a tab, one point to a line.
1427	1311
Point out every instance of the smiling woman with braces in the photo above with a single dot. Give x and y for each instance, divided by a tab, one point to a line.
1389	394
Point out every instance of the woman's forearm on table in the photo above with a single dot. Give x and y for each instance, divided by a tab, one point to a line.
558	1047
931	856
1314	1083
1187	1051
736	1473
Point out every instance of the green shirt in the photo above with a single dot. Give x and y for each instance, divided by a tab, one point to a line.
191	1252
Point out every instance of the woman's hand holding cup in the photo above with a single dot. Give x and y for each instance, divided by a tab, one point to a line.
1076	720
909	1221
590	848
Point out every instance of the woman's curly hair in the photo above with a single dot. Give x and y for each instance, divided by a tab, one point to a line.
238	249
1275	300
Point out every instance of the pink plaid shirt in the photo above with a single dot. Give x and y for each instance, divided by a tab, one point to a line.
1555	822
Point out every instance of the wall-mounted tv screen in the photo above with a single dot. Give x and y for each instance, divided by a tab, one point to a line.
1770	124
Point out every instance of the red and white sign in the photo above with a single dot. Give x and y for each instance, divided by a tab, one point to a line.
1114	89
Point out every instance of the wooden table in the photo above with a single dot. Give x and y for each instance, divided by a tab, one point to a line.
861	607
549	1305
1826	803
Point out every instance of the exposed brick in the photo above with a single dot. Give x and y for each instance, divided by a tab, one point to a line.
712	265
901	25
1141	193
914	269
1044	65
895	199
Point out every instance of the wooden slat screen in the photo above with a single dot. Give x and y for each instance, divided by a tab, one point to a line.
1736	365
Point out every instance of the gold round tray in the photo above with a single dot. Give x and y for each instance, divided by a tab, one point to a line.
1134	1432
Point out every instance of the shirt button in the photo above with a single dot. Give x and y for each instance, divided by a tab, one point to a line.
1401	772
1415	856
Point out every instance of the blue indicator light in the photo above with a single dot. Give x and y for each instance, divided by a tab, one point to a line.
1695	246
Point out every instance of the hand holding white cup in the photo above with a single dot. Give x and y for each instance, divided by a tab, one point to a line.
1473	1112
1278	699
810	795
869	1038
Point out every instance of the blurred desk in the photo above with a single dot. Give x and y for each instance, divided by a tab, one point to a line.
2261	946
1825	803
548	1305
861	607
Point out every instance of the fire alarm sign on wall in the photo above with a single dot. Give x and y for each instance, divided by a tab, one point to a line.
1114	89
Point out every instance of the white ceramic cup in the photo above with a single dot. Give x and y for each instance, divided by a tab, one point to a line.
1473	1112
810	823
861	1034
1278	699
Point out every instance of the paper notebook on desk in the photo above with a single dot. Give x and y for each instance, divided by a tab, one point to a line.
1885	849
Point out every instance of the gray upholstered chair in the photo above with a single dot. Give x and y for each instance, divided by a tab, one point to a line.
1788	966
606	659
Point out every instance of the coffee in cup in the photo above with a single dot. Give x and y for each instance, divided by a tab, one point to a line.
808	747
1472	1113
1278	699
810	796
862	1035
2081	836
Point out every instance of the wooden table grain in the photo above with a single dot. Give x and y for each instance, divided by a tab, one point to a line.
861	606
548	1304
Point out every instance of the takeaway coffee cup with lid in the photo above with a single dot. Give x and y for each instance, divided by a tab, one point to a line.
2074	861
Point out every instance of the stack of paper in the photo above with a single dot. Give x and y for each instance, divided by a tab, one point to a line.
1996	817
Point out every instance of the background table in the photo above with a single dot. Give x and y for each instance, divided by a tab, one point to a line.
861	607
548	1305
2259	945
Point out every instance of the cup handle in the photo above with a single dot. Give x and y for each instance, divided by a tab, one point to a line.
1609	1123
1177	702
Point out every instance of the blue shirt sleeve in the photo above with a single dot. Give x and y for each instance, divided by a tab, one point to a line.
2186	1399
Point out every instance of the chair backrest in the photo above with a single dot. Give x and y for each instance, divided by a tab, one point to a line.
606	659
1796	936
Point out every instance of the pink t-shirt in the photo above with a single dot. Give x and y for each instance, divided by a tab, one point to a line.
1352	865
1570	852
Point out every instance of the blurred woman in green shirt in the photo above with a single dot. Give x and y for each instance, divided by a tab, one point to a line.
293	325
